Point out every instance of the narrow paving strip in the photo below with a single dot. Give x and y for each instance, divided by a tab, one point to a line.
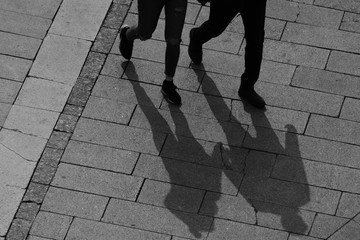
114	161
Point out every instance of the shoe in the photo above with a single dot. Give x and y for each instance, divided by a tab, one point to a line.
168	89
250	96
126	46
195	52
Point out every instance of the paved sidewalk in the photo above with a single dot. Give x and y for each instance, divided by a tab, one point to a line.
90	149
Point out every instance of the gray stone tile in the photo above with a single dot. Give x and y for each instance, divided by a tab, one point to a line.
85	229
319	16
36	238
326	81
326	225
27	211
35	193
301	237
108	110
8	90
97	181
350	22
4	111
19	229
223	229
188	174
118	136
344	63
351	110
322	37
317	174
14	68
101	157
284	10
349	205
235	208
171	196
157	219
50	225
40	8
350	231
23	24
348	5
334	129
74	203
19	46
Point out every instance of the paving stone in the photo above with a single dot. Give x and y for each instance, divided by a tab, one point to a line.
344	63
35	193
108	110
73	203
8	90
326	225
348	5
115	16
22	24
86	229
105	40
92	67
36	238
290	194
300	99
27	146
73	110
349	205
284	10
41	8
283	218
301	237
101	157
326	81
357	218
156	219
334	129
350	231
19	229
321	37
208	129
44	173
204	153
14	68
4	111
19	46
50	225
10	199
171	196
296	54
81	19
58	140
118	136
259	164
350	22
78	96
319	16
223	229
235	208
188	174
273	117
97	181
66	123
43	94
60	59
127	91
317	174
27	211
15	171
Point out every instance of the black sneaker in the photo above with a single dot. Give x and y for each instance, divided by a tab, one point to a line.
250	96
195	52
168	89
126	46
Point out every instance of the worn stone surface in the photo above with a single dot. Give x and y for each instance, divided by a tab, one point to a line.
19	46
14	68
344	63
326	225
8	90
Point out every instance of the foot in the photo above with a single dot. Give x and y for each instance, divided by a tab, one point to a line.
250	96
168	89
195	52
126	46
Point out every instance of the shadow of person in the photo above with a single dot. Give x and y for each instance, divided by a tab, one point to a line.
263	186
181	173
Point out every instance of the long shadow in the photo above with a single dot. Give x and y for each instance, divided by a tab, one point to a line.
259	188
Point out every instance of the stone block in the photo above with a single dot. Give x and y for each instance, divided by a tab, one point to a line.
60	59
319	16
100	157
19	229
85	229
4	111
50	225
171	196
97	181
349	205
108	110
350	231
334	129
156	219
74	203
105	39
58	140
27	211
91	69
118	136
40	8
326	225
14	68
19	46
344	63
347	5
35	193
283	10
66	123
301	237
351	110
8	91
350	22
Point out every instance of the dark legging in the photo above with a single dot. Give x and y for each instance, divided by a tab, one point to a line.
149	12
252	12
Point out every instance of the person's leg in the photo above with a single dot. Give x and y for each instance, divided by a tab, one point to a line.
253	15
175	12
221	14
148	16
